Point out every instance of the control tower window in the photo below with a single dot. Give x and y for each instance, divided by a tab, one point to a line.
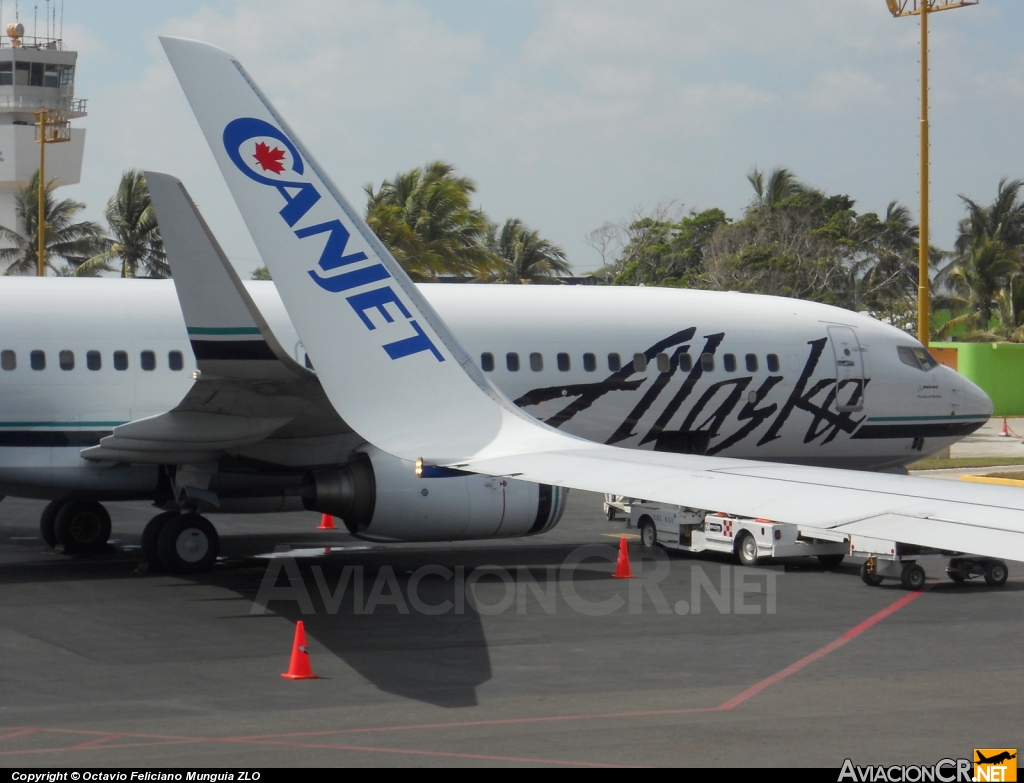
36	77
50	76
6	74
21	74
67	75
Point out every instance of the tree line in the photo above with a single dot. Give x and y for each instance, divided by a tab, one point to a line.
791	240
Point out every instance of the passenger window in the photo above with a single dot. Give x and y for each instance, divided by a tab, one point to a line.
751	362
148	360
120	360
8	360
38	360
175	360
536	362
773	363
563	362
66	360
512	362
685	362
729	362
639	362
614	362
93	360
589	362
487	362
707	362
663	362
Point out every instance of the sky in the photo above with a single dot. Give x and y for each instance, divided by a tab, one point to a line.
568	113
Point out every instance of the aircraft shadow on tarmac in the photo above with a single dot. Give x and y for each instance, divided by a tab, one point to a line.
434	656
440	658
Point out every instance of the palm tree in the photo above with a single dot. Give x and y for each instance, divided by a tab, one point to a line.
64	237
524	255
425	219
888	273
780	185
1002	221
976	281
137	244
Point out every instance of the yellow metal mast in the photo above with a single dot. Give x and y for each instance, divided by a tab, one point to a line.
51	127
923	8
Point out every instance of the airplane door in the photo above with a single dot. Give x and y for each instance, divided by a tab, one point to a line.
849	368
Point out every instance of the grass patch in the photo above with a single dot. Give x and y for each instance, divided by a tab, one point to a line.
964	462
1015	476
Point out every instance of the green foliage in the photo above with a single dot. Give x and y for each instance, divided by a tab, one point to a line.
525	256
65	237
137	245
261	273
425	218
661	251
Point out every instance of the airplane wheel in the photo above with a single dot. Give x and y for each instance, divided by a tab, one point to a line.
746	549
648	533
912	576
609	513
150	535
82	526
47	522
995	573
831	561
957	576
869	578
187	543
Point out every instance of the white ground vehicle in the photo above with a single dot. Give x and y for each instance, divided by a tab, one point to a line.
887	559
751	540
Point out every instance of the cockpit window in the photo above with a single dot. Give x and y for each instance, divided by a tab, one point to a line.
916	357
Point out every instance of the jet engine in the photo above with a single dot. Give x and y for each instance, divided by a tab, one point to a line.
380	498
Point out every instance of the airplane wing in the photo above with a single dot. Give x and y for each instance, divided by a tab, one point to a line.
248	388
395	373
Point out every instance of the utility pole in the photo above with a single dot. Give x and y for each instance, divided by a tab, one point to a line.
923	8
51	127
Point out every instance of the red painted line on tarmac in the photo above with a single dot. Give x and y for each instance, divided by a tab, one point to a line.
280	740
821	652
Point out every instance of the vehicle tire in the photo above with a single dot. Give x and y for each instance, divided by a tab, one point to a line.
868	578
609	513
82	526
150	535
187	543
831	561
47	522
996	573
648	533
746	549
957	576
912	576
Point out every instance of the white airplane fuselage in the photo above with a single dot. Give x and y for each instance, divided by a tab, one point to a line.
726	374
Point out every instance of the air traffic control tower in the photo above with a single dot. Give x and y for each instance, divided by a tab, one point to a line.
35	74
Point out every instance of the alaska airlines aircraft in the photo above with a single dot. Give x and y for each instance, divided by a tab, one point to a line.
393	371
118	397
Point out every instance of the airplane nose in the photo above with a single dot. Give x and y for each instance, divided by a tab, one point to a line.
976	400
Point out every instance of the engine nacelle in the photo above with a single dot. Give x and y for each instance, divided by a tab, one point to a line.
379	498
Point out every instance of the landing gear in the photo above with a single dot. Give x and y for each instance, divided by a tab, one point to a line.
186	543
150	535
47	521
81	526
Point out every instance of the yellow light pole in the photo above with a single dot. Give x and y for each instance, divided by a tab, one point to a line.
51	127
923	8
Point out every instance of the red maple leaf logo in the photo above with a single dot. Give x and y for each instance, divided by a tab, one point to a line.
269	159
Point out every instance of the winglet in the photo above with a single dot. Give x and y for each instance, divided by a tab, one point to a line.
388	363
229	336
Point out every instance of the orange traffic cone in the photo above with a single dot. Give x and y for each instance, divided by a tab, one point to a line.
1005	432
327	523
622	569
299	668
